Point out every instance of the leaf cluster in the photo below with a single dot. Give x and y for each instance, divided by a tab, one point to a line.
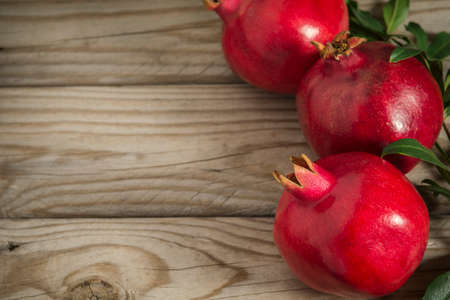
413	148
431	52
395	12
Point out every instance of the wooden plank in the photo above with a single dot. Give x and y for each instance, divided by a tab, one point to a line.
153	151
93	42
147	151
181	258
115	42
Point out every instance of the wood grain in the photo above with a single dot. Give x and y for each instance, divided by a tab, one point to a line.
182	258
95	42
153	151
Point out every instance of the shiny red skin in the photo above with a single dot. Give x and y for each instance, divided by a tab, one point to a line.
363	103
267	42
364	238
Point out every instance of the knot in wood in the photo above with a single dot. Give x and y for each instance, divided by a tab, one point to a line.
93	289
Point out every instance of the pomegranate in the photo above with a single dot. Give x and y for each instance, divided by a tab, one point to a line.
267	42
356	100
350	224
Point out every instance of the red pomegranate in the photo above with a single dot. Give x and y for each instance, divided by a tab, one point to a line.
350	224
356	100
268	42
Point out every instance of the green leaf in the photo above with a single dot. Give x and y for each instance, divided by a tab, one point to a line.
436	69
423	59
395	13
435	188
439	289
367	21
411	147
447	79
440	47
443	154
358	30
352	3
446	104
420	35
401	53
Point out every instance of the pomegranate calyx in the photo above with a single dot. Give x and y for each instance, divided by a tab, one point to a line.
342	45
304	162
288	181
309	182
290	184
211	4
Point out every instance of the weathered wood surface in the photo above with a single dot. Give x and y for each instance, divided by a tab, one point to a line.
130	42
183	258
168	150
154	151
147	151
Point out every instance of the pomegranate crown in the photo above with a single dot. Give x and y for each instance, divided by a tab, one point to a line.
309	182
211	4
342	45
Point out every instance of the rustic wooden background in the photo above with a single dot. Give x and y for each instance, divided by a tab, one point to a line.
127	109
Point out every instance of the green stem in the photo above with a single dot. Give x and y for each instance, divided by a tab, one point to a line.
444	155
447	132
425	61
396	42
444	174
404	40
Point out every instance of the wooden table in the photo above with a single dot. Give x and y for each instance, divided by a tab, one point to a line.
142	164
